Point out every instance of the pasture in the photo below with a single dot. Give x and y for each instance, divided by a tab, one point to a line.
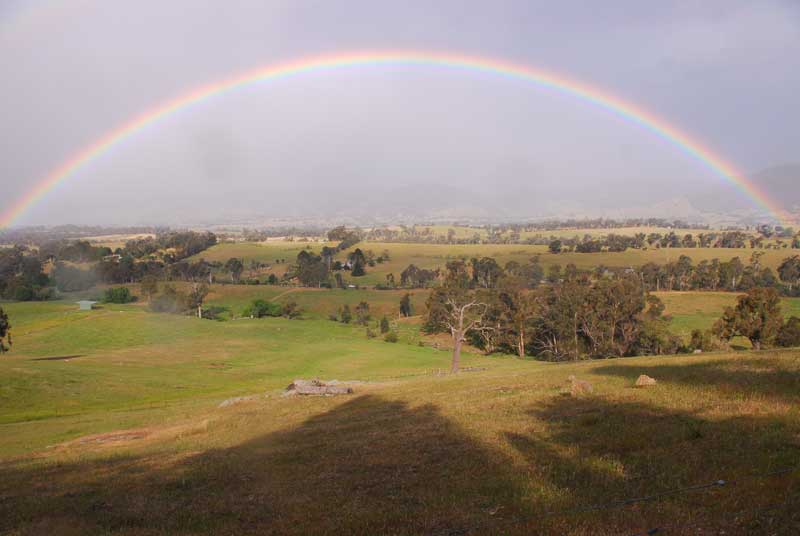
110	424
431	256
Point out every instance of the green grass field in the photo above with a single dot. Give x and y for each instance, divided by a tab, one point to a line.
109	424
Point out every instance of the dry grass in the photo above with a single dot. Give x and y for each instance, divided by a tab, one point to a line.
487	452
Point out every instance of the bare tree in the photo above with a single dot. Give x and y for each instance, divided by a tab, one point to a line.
464	315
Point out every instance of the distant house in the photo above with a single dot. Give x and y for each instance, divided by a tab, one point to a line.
85	305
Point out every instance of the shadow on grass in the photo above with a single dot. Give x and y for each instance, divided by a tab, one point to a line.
374	466
368	466
595	451
762	376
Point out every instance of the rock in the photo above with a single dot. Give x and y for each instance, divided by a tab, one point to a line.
645	381
579	387
317	388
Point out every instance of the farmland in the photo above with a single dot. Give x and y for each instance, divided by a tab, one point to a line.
486	451
122	398
432	256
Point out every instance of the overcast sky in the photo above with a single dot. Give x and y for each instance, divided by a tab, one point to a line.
725	71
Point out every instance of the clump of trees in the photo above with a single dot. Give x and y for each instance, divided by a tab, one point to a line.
21	275
757	316
576	317
5	332
261	308
118	295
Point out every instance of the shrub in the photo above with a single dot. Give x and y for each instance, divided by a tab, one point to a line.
261	308
345	316
384	325
290	310
23	294
117	295
705	341
370	334
391	337
214	312
789	334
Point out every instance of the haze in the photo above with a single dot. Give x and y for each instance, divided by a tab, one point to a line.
389	142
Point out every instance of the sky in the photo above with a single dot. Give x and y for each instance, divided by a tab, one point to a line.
386	141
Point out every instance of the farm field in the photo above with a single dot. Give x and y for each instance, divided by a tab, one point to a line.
120	402
112	441
83	371
433	256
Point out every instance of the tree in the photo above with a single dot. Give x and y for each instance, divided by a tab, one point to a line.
117	295
405	305
311	270
362	313
196	297
5	332
149	286
789	334
384	324
517	308
757	316
357	262
455	308
260	308
555	246
235	267
789	271
345	315
291	310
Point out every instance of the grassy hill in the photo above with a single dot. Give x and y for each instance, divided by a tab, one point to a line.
110	423
492	451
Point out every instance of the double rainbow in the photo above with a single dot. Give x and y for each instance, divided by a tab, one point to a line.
544	79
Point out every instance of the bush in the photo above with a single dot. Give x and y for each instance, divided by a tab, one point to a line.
23	294
215	312
789	334
261	308
117	295
391	337
384	325
370	334
291	311
705	341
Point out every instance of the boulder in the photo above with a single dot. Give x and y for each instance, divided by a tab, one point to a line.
317	388
645	381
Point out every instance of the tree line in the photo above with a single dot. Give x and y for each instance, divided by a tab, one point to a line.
581	314
34	274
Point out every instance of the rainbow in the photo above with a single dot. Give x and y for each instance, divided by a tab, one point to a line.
546	80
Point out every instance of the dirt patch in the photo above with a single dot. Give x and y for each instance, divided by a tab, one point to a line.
113	437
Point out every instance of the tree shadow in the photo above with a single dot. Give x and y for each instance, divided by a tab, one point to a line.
376	466
368	466
761	376
595	451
